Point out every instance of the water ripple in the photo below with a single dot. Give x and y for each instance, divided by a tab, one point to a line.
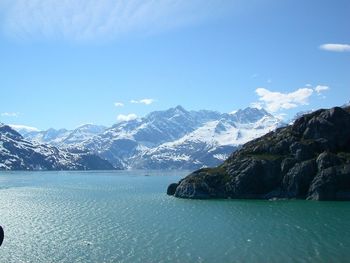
120	217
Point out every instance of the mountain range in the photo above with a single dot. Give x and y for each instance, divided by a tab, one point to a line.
170	139
17	153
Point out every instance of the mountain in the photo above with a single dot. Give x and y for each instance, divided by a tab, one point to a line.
309	159
62	137
125	142
210	143
170	139
17	153
179	139
23	129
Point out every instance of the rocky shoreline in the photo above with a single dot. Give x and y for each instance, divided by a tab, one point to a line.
307	160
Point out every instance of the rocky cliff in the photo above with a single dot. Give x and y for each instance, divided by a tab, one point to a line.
309	159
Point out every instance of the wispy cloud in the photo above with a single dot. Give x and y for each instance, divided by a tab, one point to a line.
143	101
321	88
119	104
276	101
81	20
336	47
9	114
127	117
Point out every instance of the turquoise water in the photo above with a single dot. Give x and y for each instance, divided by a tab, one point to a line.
127	217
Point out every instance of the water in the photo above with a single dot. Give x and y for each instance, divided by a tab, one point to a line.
127	217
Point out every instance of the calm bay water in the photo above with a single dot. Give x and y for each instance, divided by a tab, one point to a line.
127	217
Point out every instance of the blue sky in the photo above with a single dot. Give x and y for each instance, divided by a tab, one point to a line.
66	63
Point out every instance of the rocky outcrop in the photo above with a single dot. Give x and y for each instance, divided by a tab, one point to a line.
307	160
172	188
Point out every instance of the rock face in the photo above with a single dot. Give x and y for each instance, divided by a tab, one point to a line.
16	153
307	160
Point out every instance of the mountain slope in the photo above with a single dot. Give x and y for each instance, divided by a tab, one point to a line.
179	139
309	159
170	139
62	137
207	145
16	153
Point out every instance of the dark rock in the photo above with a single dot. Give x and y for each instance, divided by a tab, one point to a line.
301	151
326	160
332	125
254	179
171	189
287	164
309	159
332	183
324	185
202	184
297	181
194	190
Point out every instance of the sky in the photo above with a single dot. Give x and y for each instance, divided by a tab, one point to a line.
64	63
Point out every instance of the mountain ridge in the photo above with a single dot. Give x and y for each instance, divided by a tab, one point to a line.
161	139
17	153
171	139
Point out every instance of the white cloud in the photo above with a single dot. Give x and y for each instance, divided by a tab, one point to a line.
10	114
119	104
321	88
128	117
143	101
336	47
81	20
18	127
275	101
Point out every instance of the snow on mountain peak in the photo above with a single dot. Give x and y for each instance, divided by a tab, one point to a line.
23	128
250	114
173	138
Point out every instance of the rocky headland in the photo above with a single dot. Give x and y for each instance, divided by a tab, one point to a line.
309	159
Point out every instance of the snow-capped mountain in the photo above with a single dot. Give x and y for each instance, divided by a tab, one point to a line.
170	139
16	153
63	137
23	129
177	138
210	143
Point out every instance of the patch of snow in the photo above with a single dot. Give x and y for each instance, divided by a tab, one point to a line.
22	128
221	157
